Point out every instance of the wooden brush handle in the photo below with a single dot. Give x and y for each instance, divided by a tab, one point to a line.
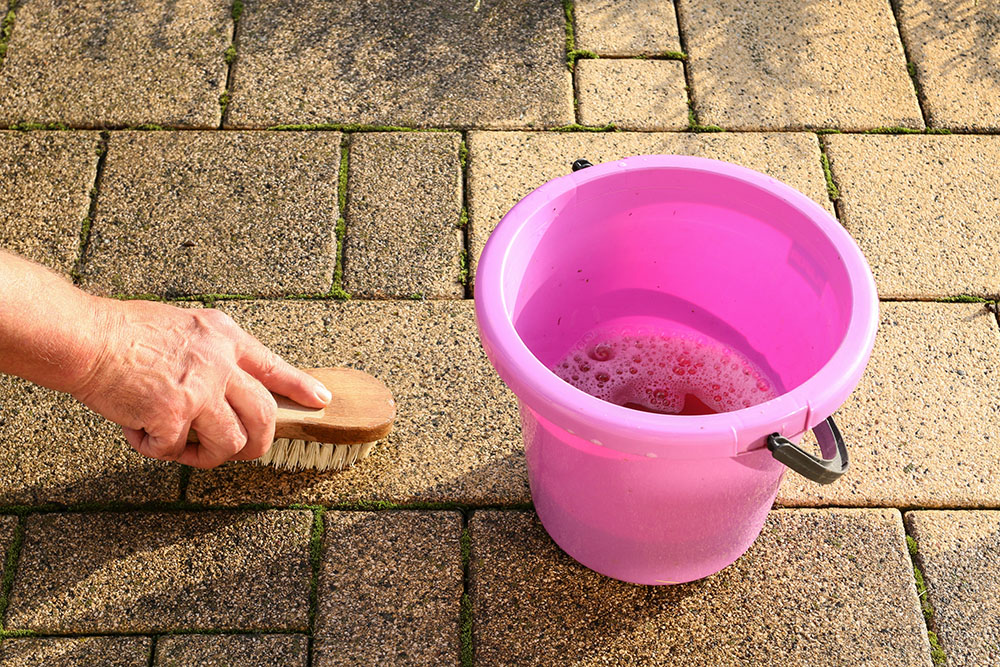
362	410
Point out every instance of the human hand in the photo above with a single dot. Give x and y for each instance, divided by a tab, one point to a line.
161	371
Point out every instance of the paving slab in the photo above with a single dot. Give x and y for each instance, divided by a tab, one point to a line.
626	27
57	451
506	166
75	651
789	65
162	571
403	213
923	427
456	436
953	45
8	528
632	94
435	63
390	589
959	555
183	213
923	209
225	650
99	64
45	194
819	587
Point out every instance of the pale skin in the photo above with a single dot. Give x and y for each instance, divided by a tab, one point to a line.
157	370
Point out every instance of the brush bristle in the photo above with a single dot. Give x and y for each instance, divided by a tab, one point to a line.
302	455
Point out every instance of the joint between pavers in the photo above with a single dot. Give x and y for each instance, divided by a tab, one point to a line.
151	655
938	656
832	191
315	563
214	632
911	67
191	506
337	290
11	561
7	28
466	619
87	223
463	220
570	34
229	56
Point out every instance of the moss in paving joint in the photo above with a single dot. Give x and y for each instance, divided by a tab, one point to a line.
337	290
467	655
938	656
829	130
14	634
576	127
937	130
570	36
579	54
230	54
10	565
224	102
937	652
893	130
463	271
31	126
463	218
6	29
964	298
315	561
76	273
693	124
351	127
237	9
463	154
831	187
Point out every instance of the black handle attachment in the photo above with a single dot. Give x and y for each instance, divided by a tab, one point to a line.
823	471
581	164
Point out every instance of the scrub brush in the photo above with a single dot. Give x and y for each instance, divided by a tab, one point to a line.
362	411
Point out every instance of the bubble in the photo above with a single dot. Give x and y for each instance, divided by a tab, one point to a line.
602	376
601	352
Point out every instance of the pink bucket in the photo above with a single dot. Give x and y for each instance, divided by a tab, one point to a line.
701	246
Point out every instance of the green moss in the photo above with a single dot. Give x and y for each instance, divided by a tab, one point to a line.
466	545
6	28
463	218
230	55
315	560
576	127
893	130
351	127
963	298
337	291
670	55
911	545
578	54
463	272
705	128
416	296
937	130
10	565
26	126
828	130
224	101
149	127
467	655
570	36
138	297
937	653
925	606
911	68
463	154
831	188
237	9
12	634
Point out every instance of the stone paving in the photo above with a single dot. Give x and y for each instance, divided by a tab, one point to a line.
328	174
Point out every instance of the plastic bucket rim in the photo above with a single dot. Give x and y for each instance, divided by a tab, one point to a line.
791	413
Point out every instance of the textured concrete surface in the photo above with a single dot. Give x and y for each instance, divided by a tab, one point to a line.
924	210
626	27
442	63
154	572
816	584
8	526
55	450
506	166
75	651
955	47
456	436
97	64
390	588
790	65
45	194
211	212
402	236
959	555
923	426
632	94
234	650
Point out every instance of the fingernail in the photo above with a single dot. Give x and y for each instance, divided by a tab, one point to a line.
323	394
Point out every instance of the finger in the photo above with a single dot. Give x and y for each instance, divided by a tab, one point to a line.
255	407
220	437
164	446
133	436
279	376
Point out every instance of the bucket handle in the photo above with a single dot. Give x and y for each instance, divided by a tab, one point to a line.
823	471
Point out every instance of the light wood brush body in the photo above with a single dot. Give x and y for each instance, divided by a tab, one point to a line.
362	411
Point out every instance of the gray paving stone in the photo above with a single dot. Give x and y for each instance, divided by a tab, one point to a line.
45	194
506	166
456	436
390	589
232	650
924	210
923	427
819	587
791	65
403	212
75	651
959	555
98	64
155	572
185	213
433	63
626	27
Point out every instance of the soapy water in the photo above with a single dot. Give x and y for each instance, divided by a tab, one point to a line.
675	374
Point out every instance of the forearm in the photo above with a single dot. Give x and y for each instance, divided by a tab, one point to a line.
50	331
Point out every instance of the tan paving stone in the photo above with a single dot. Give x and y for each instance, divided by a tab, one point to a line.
75	651
390	589
923	427
456	436
959	554
8	528
819	587
403	214
45	194
626	27
955	46
924	210
506	166
55	450
790	65
225	650
153	572
632	94
207	212
94	64
437	63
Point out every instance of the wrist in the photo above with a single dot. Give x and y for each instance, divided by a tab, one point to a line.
90	358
